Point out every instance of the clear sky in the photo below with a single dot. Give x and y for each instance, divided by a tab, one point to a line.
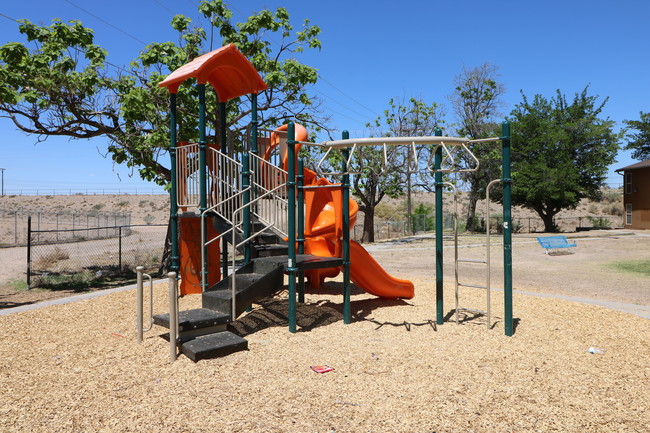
372	51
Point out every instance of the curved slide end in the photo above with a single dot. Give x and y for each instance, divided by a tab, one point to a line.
366	273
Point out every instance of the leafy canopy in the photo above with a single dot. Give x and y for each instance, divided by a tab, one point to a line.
560	152
476	102
60	83
639	141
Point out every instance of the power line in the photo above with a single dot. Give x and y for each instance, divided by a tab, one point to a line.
347	96
119	68
164	7
339	103
106	22
374	113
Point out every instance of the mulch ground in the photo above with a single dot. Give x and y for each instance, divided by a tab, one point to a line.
78	368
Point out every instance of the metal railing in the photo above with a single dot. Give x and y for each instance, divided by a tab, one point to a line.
269	190
140	307
187	175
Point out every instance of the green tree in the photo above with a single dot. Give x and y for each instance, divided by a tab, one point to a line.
381	177
639	141
62	84
476	102
422	219
560	152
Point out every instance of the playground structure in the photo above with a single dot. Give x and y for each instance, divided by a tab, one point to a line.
262	203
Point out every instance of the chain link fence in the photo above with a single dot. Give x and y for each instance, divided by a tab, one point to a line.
13	224
425	223
83	257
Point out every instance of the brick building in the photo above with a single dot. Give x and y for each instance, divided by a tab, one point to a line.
636	195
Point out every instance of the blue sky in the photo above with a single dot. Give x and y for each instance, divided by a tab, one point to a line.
372	51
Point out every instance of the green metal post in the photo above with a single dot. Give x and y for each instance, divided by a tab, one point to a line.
291	192
246	181
248	249
224	149
202	175
300	176
507	228
347	310
440	314
173	193
254	123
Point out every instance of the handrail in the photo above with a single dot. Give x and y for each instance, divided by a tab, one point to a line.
487	256
140	299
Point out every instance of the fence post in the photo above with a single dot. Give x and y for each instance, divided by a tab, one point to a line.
119	249
29	251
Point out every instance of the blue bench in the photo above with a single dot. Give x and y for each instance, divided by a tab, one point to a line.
554	243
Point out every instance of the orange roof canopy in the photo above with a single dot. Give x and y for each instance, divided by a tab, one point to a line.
226	69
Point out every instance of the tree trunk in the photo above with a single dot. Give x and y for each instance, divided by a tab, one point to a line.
547	217
368	225
409	209
166	260
470	225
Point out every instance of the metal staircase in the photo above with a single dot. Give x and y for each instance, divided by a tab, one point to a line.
247	206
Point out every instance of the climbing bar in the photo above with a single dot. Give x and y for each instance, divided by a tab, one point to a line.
347	160
391	141
484	140
332	186
475	286
472	261
412	165
472	156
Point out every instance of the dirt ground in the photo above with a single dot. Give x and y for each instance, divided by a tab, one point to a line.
78	368
585	274
13	260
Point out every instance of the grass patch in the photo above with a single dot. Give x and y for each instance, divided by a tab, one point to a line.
641	267
17	285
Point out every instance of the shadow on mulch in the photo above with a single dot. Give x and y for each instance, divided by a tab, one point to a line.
274	312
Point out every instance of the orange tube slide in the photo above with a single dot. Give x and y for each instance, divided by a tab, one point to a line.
323	231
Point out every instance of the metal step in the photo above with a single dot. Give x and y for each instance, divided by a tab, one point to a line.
472	285
250	287
483	262
213	346
194	319
469	310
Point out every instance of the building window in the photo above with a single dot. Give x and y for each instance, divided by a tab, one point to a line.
628	213
628	183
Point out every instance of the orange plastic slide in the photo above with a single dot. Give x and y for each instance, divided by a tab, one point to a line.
366	273
323	231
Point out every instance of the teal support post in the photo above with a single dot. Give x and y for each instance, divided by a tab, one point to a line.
291	193
507	228
345	208
300	176
252	168
246	181
440	313
202	177
173	193
224	149
254	124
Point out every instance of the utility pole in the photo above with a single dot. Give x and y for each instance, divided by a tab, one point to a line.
2	170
